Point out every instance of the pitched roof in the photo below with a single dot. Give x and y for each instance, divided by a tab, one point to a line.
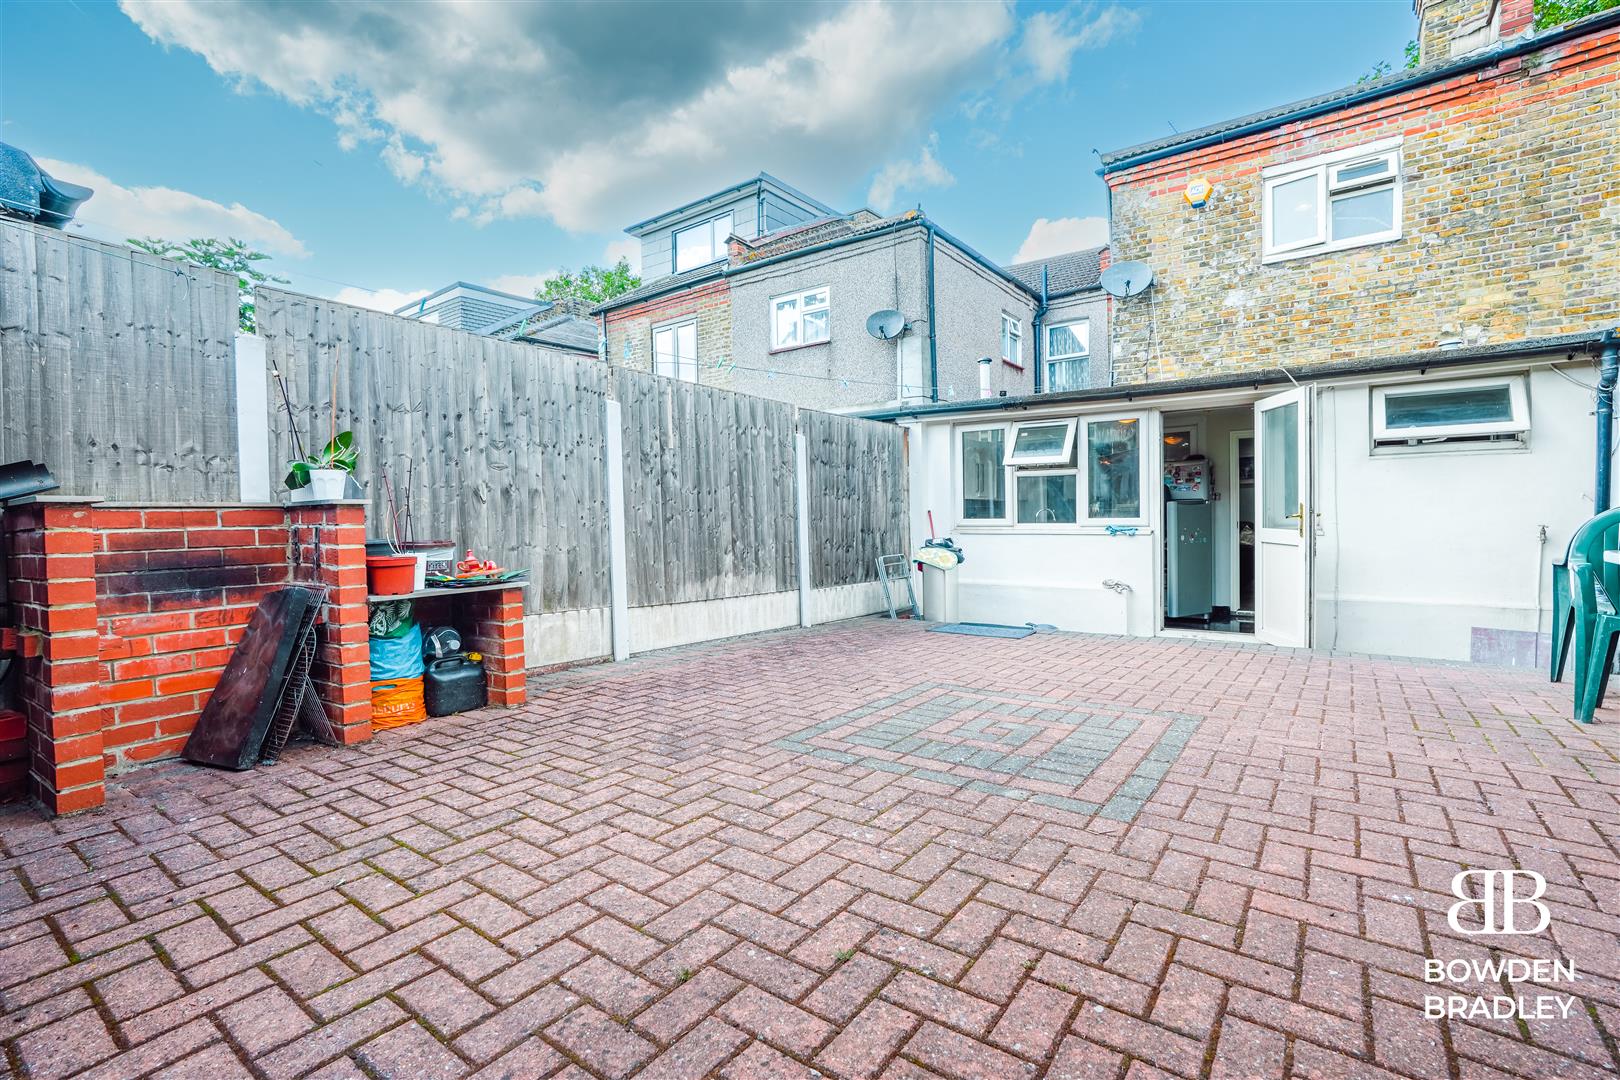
762	179
1075	271
1348	95
660	286
565	331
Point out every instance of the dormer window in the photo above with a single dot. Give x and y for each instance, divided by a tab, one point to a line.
1345	199
702	243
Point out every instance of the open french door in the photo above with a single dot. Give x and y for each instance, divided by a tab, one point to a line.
1284	530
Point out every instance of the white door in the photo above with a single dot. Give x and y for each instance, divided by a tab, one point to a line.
1283	532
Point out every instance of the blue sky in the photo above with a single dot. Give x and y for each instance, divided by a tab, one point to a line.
391	149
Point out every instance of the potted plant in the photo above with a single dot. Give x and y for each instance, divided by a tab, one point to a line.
324	476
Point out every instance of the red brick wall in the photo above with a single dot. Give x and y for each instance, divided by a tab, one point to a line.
174	589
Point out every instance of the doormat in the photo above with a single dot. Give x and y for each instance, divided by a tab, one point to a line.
982	629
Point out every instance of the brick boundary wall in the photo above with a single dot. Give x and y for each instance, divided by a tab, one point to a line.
132	613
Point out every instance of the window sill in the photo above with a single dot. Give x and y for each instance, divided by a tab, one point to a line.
799	348
1012	364
1329	249
1088	529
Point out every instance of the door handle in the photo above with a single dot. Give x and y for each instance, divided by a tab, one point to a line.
1300	517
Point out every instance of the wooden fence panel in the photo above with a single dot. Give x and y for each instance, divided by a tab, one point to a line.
708	490
495	445
116	368
857	487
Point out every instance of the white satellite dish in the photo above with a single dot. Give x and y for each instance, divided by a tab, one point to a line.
1127	279
886	325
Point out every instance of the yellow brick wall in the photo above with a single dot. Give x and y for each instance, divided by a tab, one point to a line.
629	331
1511	228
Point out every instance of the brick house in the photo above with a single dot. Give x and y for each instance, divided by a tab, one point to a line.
1354	408
781	309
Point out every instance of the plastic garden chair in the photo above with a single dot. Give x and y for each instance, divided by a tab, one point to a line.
1595	647
1563	625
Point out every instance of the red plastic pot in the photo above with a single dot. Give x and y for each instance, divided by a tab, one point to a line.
390	575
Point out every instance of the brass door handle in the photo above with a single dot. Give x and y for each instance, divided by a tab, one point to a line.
1300	517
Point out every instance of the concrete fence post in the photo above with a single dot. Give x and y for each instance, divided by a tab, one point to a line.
252	420
619	582
801	472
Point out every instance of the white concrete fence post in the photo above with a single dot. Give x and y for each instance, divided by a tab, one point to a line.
252	420
801	473
619	582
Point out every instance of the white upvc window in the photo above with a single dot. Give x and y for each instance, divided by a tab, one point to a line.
1041	442
801	318
1486	409
1012	340
1079	471
1068	355
1329	203
675	351
697	245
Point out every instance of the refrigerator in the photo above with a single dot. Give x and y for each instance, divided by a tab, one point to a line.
1189	558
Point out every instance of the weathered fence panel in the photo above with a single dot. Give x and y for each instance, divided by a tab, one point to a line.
493	444
857	485
116	368
708	491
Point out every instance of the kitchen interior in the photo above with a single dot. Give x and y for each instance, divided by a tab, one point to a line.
1209	508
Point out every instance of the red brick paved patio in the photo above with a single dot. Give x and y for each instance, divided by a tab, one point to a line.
858	851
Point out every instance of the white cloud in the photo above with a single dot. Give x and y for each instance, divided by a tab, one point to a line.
898	176
379	299
595	115
1056	236
628	249
1051	38
116	213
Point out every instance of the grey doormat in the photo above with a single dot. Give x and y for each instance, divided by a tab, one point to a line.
981	629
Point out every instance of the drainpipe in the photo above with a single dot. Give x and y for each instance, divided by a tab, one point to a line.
1608	375
1035	329
984	376
933	330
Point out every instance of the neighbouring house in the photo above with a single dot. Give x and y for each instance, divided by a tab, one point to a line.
480	310
784	313
1354	410
29	192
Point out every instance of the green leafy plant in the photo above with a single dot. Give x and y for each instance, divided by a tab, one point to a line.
1550	13
232	256
590	284
337	454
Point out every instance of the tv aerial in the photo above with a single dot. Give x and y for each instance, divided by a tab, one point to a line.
886	325
1127	279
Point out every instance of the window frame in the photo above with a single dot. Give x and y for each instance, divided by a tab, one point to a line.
799	313
1076	464
1326	169
673	327
717	248
1012	328
1049	358
1518	400
1007	511
1048	458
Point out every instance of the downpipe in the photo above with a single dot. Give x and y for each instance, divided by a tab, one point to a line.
1608	375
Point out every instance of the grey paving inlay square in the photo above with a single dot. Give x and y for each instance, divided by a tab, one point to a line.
1083	757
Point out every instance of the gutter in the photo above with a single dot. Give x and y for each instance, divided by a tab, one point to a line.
620	301
1260	377
1035	326
1506	51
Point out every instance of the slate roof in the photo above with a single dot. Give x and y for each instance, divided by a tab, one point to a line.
565	331
1076	271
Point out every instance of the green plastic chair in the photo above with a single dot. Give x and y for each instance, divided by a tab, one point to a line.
1564	613
1594	647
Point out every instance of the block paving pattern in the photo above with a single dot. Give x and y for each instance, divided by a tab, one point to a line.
808	854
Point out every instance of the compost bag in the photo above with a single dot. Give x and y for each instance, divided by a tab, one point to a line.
396	667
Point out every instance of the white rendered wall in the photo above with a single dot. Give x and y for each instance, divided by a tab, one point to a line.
1428	553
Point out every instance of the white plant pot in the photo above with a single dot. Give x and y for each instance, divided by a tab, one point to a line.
325	485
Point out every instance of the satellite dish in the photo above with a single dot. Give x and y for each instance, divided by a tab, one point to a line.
1127	278
886	325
